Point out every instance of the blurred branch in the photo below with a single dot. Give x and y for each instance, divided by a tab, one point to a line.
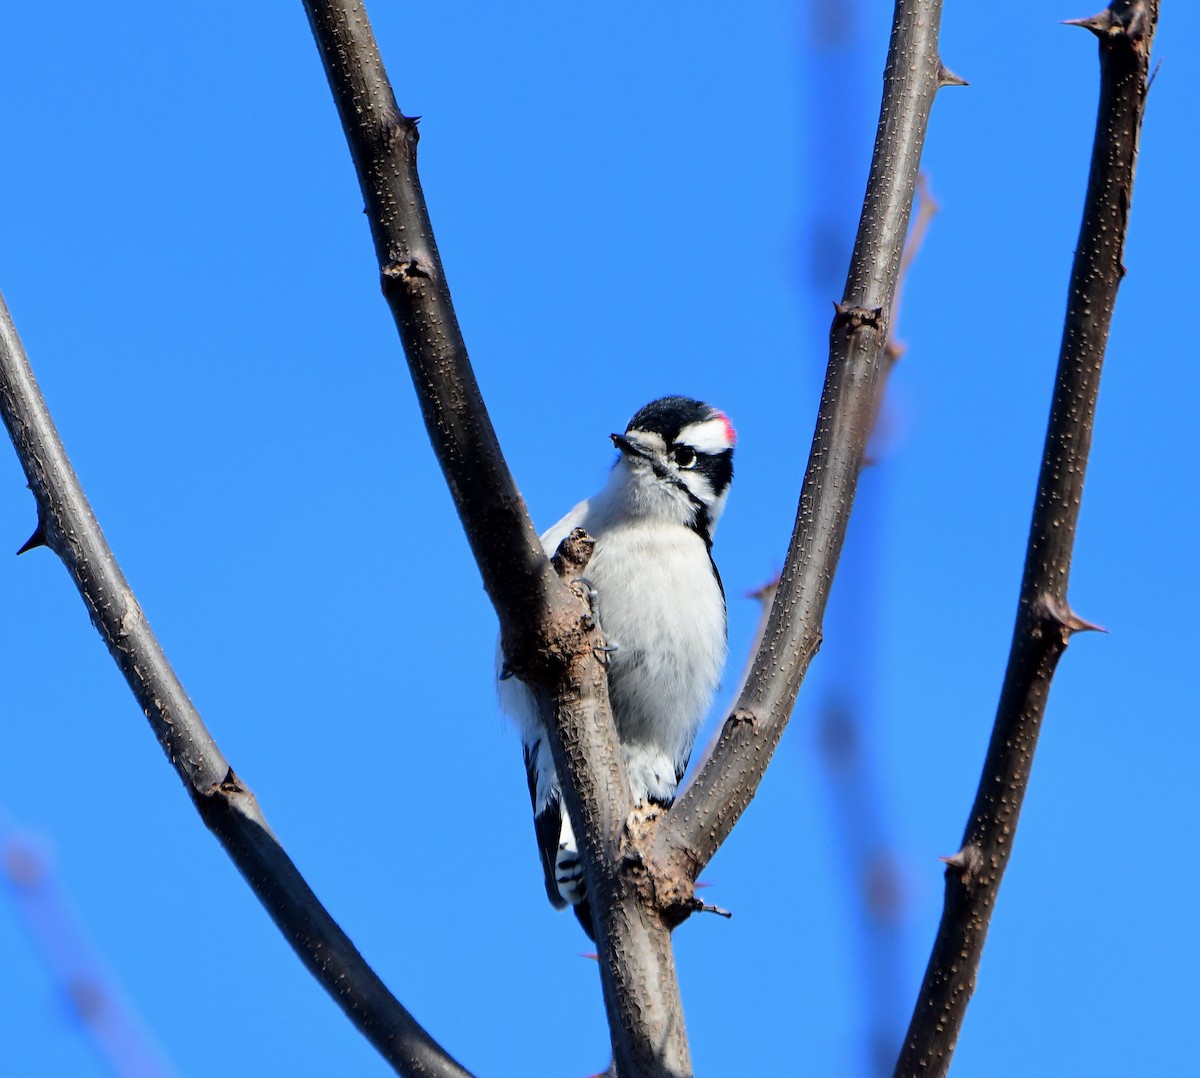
876	900
1045	621
546	637
67	526
711	804
927	209
115	1030
764	595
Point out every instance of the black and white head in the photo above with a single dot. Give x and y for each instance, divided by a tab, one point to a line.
676	463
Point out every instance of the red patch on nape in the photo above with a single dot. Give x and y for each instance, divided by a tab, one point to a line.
730	433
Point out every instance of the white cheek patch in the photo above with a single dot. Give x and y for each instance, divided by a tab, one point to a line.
712	436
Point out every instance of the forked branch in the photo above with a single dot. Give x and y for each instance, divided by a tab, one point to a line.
543	627
706	811
1045	621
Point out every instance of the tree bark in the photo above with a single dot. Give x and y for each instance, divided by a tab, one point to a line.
1045	621
67	525
545	629
727	779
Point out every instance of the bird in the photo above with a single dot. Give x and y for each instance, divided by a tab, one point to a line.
660	603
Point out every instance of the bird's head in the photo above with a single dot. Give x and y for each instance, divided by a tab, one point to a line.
676	462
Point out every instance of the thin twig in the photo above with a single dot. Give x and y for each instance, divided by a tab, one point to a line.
874	894
383	144
875	901
542	624
762	595
67	525
90	992
711	804
927	209
1045	621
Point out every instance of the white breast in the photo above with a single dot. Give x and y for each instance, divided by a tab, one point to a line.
661	604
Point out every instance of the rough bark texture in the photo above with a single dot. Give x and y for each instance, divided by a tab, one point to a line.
67	525
706	811
641	990
1044	620
547	636
383	145
640	866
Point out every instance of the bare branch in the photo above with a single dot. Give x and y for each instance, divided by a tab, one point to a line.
67	525
383	144
547	637
927	210
95	1000
706	811
645	1013
1045	621
763	595
875	900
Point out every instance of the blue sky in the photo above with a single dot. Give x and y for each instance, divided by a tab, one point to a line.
631	192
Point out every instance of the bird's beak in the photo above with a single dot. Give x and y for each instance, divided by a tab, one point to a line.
627	447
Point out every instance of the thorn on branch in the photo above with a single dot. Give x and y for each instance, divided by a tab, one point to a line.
1099	24
230	794
1076	624
396	127
1122	18
37	539
856	317
946	77
1062	616
965	864
894	351
704	907
766	592
741	717
395	271
231	784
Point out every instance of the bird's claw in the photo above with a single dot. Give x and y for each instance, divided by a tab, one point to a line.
603	651
590	595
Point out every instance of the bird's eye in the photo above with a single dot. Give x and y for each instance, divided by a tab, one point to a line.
685	456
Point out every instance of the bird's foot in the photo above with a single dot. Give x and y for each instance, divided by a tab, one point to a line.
592	597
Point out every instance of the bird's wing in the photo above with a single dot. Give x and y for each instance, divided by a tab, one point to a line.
547	824
556	533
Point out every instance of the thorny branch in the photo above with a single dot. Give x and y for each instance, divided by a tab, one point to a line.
67	526
544	627
707	810
1045	621
543	631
